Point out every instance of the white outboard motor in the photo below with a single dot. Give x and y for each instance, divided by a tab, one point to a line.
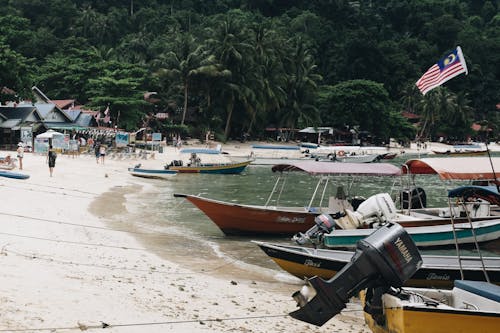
377	209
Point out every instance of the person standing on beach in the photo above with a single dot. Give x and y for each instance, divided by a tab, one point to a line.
97	151
20	154
102	153
51	159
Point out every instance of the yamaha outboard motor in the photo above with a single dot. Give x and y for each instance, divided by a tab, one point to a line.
324	224
388	257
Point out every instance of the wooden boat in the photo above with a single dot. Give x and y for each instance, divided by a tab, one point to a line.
242	219
214	168
437	271
425	236
15	175
152	173
471	306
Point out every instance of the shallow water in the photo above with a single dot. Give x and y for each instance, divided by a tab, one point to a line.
183	234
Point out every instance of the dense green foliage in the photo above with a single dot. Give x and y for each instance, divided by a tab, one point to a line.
239	66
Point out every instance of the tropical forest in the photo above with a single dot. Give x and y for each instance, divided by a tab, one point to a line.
239	67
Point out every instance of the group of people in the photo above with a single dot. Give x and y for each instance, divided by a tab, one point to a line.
99	149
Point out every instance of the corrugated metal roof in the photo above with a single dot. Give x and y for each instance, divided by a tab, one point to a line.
10	123
44	108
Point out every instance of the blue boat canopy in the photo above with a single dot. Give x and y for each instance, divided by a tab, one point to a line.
201	151
488	193
338	168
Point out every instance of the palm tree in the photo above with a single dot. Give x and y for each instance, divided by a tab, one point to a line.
433	108
301	87
185	62
230	44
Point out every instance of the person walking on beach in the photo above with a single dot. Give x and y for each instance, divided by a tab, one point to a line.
102	153
20	154
97	151
51	159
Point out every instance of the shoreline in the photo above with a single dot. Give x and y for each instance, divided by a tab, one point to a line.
68	265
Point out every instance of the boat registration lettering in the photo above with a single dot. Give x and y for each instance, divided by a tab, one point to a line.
285	219
309	262
434	276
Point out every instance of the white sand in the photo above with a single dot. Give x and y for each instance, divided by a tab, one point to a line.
63	266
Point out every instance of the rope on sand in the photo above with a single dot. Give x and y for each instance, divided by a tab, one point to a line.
104	325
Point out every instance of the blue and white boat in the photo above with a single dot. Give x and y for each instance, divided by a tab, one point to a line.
152	173
15	175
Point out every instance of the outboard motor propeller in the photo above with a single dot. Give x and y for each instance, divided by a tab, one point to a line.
324	224
388	257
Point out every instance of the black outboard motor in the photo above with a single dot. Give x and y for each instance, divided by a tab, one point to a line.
388	257
324	224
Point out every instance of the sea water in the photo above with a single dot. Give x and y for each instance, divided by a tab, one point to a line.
174	228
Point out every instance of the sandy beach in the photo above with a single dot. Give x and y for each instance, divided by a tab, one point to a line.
68	265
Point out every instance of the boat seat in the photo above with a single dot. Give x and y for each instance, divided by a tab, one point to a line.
481	288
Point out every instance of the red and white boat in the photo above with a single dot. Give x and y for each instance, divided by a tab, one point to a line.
241	219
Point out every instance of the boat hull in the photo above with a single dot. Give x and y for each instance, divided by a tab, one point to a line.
226	168
429	236
235	219
14	175
410	320
436	271
151	173
462	312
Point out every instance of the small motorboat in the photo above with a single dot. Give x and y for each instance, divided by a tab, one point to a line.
152	173
437	271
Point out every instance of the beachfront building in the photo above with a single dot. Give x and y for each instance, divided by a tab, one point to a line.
24	121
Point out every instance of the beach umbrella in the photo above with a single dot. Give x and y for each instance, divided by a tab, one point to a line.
48	135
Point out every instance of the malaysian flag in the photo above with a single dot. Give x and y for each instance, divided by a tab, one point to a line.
445	69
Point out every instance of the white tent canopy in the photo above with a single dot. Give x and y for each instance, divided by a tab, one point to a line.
49	134
316	130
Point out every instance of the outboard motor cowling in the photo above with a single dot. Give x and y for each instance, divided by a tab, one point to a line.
377	209
324	224
388	257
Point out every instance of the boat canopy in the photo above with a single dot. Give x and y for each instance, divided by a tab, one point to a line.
455	168
340	168
200	151
488	193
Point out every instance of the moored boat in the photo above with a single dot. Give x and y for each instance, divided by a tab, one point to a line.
213	168
242	219
152	173
425	236
437	271
471	306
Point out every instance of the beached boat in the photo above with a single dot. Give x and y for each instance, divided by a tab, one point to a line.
241	219
152	173
425	236
15	175
461	152
437	271
213	168
379	268
471	306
